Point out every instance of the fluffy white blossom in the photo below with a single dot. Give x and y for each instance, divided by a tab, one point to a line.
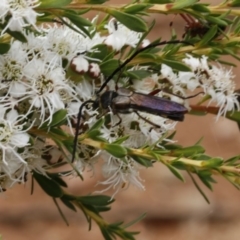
120	174
119	35
21	14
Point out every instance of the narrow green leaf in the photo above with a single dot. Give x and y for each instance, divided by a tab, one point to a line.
77	20
105	233
235	3
142	161
68	204
201	8
198	188
206	179
60	211
217	20
175	172
97	125
56	177
54	3
176	65
188	151
109	66
211	33
213	163
115	150
97	200
133	9
159	1
138	74
4	48
93	134
232	161
121	140
17	35
59	132
138	219
180	4
51	187
97	1
102	52
131	21
58	118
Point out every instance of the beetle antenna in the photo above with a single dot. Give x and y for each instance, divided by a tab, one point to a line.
134	55
78	127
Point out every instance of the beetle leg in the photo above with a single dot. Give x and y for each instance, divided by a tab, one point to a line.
119	122
146	120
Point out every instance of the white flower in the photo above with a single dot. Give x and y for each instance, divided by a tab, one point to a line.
120	174
47	85
12	136
119	35
216	82
11	70
147	84
21	12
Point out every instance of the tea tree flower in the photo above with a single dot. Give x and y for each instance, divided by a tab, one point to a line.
21	14
119	36
120	174
12	135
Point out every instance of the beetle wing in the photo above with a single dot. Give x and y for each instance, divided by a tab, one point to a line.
158	106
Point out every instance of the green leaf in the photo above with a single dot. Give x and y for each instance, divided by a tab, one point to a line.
56	177
94	134
102	52
175	172
51	187
159	1
235	116
121	140
97	1
68	204
235	3
54	3
97	125
17	35
143	161
176	65
4	48
188	151
96	200
213	163
115	150
201	8
180	4
133	9
59	132
132	22
78	21
109	66
211	33
198	188
206	178
138	74
58	118
217	20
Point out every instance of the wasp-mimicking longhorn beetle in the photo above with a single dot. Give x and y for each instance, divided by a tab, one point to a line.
125	101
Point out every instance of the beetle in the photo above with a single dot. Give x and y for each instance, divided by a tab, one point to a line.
126	101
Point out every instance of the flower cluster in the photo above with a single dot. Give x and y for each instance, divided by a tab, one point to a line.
55	70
